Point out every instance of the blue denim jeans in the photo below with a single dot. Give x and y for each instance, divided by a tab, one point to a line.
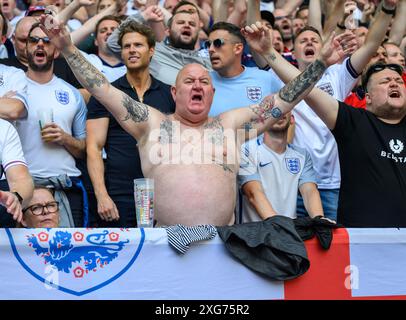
329	200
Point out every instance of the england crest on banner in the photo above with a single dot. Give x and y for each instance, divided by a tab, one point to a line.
76	261
62	96
293	165
254	93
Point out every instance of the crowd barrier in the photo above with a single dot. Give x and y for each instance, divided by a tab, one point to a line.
139	264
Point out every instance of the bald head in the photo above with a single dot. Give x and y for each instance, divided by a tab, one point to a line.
20	37
190	68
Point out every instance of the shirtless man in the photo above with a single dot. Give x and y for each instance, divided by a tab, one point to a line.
188	190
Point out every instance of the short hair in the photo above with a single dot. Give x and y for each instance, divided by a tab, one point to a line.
109	17
306	28
132	26
5	25
301	8
181	11
184	3
34	26
230	28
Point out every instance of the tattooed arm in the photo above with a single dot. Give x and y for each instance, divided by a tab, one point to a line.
260	116
135	117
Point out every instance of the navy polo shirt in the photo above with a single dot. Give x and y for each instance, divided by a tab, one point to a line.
123	161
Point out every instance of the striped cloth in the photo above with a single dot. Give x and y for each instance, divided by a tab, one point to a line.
180	236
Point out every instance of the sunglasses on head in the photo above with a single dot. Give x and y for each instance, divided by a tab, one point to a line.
33	39
379	67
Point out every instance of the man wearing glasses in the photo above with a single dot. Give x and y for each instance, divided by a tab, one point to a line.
236	85
53	134
42	211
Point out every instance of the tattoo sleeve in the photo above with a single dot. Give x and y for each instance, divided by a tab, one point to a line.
85	72
136	111
291	91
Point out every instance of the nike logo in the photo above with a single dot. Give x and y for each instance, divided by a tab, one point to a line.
263	165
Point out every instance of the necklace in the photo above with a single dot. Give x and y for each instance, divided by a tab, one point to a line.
141	96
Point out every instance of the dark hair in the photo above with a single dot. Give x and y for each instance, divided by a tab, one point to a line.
184	3
5	25
306	28
109	17
301	8
230	28
377	67
34	26
132	26
180	11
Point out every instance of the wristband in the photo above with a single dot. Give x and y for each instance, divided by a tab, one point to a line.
389	11
20	198
340	26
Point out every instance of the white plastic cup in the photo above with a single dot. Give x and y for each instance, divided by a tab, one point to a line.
144	197
46	116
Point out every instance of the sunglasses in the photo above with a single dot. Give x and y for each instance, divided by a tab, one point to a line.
379	67
217	43
32	39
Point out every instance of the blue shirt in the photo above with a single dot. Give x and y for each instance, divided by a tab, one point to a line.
248	88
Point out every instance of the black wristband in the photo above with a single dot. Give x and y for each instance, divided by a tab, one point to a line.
20	198
389	11
342	27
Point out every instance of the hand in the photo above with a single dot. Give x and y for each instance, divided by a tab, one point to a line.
390	4
51	132
56	31
86	3
9	94
369	9
153	14
337	47
107	209
258	37
12	204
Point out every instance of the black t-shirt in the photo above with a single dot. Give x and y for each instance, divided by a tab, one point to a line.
123	161
373	169
61	69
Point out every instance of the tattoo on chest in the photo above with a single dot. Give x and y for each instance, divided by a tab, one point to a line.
166	132
86	72
307	78
215	131
136	111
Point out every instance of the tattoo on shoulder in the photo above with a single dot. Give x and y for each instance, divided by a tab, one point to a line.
307	78
88	74
166	132
136	111
264	110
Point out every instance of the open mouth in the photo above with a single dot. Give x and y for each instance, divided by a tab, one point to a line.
309	52
394	94
186	33
133	59
39	54
197	97
285	26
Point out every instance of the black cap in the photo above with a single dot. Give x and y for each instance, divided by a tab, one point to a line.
268	16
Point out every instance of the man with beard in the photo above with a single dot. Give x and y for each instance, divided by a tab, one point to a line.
114	186
178	49
272	172
53	133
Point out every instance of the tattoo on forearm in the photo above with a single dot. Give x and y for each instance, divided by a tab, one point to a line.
272	56
300	84
264	110
166	132
216	131
136	111
86	73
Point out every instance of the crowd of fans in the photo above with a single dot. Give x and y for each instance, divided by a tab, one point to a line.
78	112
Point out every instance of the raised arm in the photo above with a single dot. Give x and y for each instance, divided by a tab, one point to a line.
273	107
398	29
375	36
133	116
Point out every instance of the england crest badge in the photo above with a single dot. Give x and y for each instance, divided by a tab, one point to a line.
293	165
62	96
76	261
254	93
